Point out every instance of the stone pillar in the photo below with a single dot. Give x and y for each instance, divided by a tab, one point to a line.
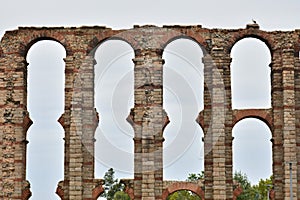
208	159
297	99
225	62
89	125
289	123
277	102
14	123
72	125
216	68
148	121
78	121
2	102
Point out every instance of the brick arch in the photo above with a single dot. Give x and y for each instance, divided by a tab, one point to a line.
129	36
193	187
264	115
28	42
26	48
97	191
250	33
96	42
195	38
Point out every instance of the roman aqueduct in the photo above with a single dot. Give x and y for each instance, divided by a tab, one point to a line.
148	117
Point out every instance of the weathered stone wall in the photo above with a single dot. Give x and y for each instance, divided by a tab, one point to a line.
148	117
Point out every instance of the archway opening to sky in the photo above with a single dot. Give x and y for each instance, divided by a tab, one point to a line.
183	85
45	151
252	149
114	74
251	74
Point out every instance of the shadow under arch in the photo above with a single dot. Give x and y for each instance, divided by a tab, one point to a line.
183	85
251	74
252	148
113	88
45	104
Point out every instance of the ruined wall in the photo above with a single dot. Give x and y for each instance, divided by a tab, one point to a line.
148	118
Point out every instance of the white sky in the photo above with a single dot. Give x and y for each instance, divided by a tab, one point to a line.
45	136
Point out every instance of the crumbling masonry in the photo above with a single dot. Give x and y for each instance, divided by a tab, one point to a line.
148	118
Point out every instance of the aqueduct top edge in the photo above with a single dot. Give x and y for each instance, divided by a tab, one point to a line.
88	38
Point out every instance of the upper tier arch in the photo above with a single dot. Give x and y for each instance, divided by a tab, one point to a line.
263	36
24	49
200	42
96	42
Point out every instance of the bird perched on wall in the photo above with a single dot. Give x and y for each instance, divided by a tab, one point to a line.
254	21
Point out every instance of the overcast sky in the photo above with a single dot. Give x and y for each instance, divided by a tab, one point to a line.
45	157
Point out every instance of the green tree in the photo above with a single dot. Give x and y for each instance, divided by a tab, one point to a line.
120	195
111	185
244	183
255	192
262	188
183	195
195	177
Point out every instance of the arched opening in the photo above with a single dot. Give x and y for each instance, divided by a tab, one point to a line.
252	149
45	104
183	85
113	100
183	195
119	195
251	74
183	190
